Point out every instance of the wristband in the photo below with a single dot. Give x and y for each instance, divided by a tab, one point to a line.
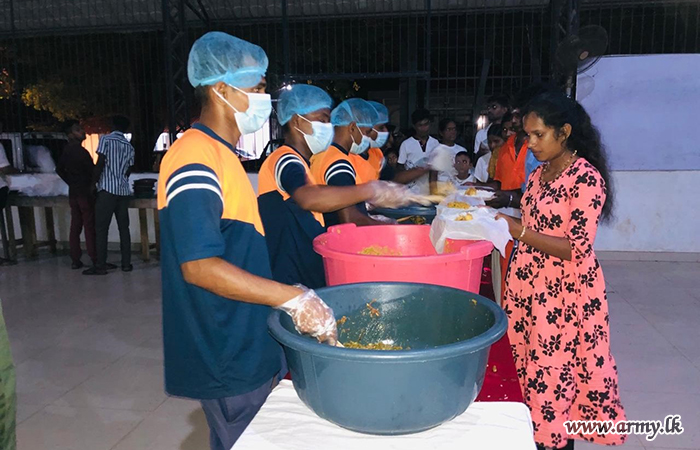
522	233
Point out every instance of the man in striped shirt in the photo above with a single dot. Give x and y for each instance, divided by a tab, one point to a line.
115	158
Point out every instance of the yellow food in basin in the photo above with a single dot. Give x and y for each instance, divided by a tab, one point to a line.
376	250
372	346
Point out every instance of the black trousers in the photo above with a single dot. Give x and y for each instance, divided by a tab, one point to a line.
569	446
107	205
4	191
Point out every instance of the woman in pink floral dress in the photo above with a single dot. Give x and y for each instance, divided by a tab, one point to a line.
555	293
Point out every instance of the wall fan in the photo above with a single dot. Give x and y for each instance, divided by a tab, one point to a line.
578	53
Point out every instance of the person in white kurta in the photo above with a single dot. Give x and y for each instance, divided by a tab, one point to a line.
447	129
496	107
415	151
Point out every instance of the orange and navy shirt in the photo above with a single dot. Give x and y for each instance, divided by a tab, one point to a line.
214	347
337	167
289	229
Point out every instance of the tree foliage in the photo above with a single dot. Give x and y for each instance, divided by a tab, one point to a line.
62	100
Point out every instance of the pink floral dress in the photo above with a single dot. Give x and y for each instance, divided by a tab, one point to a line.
558	311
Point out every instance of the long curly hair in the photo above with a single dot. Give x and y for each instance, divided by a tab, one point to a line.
556	109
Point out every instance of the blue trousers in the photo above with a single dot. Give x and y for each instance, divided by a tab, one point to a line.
228	417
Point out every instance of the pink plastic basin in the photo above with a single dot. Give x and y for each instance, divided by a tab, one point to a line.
459	267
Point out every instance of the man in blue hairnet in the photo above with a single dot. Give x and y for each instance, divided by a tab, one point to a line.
217	291
353	120
373	158
290	199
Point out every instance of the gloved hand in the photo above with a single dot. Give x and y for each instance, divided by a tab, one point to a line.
425	200
312	316
389	195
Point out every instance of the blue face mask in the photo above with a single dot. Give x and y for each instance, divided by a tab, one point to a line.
361	147
382	137
320	138
258	112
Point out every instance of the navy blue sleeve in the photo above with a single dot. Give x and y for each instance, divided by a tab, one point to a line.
340	173
290	173
194	204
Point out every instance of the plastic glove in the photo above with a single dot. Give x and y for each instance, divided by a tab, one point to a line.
312	316
384	219
389	195
425	200
442	159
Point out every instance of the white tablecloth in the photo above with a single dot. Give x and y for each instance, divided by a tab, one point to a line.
285	423
50	184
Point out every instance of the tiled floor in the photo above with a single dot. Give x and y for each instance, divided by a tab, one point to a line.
89	356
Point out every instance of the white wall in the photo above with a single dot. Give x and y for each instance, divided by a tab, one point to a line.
645	108
654	212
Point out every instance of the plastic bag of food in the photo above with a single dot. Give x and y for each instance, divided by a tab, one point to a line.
466	218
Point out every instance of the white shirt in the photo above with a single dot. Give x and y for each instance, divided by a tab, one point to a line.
3	163
482	138
481	171
411	155
457	182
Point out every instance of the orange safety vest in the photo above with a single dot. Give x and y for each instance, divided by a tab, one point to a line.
364	168
267	177
372	166
321	162
376	160
195	147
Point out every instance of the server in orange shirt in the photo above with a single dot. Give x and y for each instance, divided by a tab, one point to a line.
292	202
510	171
217	291
374	156
339	166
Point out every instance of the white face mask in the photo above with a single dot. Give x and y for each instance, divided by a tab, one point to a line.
361	147
258	112
320	138
382	137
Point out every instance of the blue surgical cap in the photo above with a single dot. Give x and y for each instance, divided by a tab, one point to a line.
354	110
219	56
382	111
301	99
